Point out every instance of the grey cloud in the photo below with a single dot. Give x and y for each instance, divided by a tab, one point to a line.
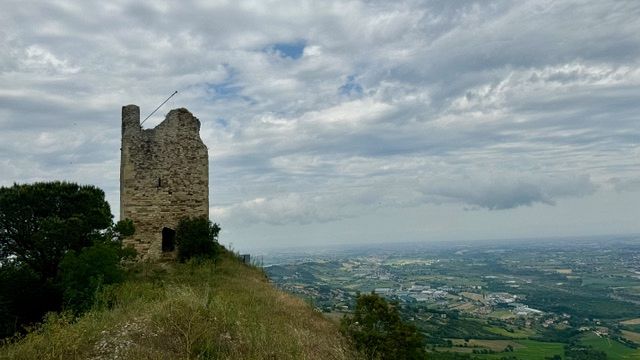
625	184
342	201
500	196
508	193
486	105
289	208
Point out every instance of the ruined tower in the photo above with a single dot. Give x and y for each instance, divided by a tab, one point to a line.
164	176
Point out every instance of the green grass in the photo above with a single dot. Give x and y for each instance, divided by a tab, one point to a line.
501	314
530	350
495	345
516	334
614	349
188	311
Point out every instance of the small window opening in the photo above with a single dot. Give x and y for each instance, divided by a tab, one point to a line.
168	240
159	182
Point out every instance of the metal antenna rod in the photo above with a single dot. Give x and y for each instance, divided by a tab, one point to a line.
159	106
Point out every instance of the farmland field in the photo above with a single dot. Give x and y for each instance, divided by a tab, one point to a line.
541	296
630	335
613	349
635	321
530	350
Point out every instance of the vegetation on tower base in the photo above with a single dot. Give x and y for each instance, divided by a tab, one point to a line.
197	238
192	310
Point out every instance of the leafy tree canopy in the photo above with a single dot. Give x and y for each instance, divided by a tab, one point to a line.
379	333
58	246
40	222
83	273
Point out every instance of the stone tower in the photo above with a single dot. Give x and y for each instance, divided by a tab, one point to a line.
164	176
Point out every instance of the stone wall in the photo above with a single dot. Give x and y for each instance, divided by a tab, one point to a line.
164	176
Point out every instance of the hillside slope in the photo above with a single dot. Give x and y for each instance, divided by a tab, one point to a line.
188	311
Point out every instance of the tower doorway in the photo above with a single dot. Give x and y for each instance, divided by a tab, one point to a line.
168	239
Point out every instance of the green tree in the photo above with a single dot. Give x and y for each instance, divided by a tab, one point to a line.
197	238
43	225
24	297
120	230
40	222
379	333
84	273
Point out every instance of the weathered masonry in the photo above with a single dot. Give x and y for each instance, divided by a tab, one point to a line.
164	176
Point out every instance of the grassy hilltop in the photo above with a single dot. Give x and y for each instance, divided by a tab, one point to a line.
203	310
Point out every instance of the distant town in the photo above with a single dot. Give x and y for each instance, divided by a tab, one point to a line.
514	293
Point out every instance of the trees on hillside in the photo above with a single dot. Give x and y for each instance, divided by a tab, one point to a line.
40	222
42	226
379	333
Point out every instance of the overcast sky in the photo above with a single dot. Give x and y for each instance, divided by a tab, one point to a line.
344	121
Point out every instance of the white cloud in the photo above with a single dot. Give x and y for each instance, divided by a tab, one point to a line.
391	105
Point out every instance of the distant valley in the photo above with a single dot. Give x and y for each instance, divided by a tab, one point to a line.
530	298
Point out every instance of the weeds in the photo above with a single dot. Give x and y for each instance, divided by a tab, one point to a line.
196	310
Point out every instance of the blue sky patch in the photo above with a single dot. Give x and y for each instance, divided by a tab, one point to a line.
293	50
351	87
222	122
224	89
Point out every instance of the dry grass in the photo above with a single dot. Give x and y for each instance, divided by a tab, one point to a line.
630	335
189	311
635	321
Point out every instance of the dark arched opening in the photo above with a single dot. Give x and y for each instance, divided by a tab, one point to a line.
168	240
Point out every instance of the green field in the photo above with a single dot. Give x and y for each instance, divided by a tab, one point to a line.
516	334
495	345
530	350
501	314
608	282
614	349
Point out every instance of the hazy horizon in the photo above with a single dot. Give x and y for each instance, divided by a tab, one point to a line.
559	241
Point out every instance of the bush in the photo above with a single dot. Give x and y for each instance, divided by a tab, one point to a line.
22	298
83	274
379	333
197	238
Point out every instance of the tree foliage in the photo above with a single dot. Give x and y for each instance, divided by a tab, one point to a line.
40	222
379	333
24	297
58	245
84	273
197	238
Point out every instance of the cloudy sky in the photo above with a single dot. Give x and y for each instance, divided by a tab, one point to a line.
344	121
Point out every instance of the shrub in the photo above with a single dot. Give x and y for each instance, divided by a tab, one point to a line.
85	272
378	331
21	298
197	238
